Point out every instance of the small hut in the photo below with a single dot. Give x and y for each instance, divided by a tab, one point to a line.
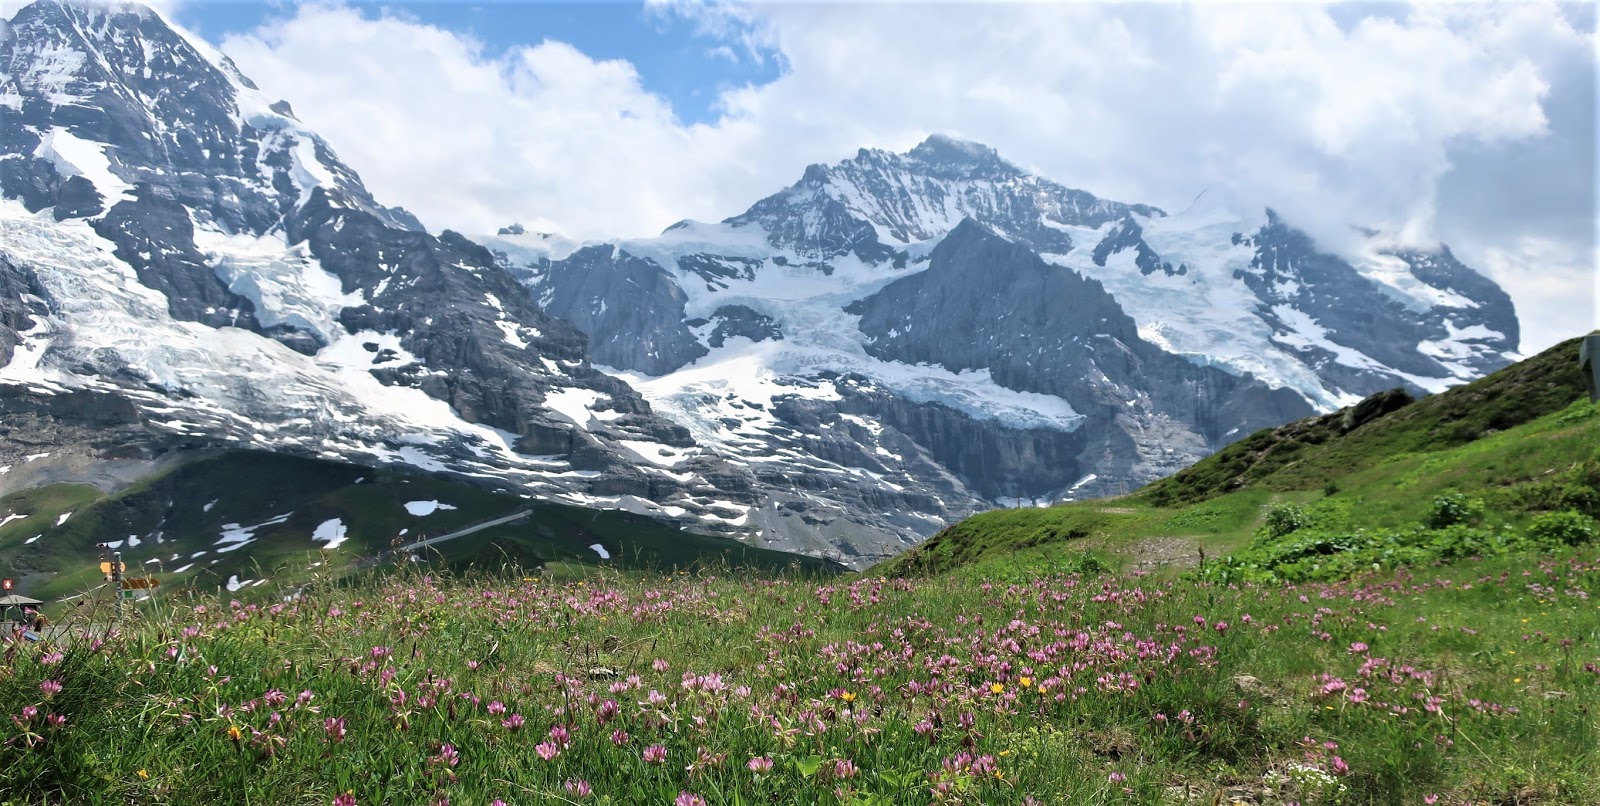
19	602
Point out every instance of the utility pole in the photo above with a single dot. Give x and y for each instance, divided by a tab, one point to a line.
116	580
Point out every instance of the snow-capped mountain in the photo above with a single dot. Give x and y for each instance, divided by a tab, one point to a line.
183	264
892	343
947	331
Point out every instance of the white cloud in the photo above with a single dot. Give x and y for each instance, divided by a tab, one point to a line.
1554	283
1331	116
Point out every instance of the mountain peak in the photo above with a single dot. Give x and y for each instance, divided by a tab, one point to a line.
942	145
92	8
949	155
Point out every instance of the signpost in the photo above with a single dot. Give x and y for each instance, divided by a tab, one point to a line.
113	571
122	587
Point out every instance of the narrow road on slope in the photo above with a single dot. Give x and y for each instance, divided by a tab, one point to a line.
476	527
382	556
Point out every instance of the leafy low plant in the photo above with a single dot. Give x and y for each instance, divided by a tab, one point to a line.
1283	519
1454	509
1564	528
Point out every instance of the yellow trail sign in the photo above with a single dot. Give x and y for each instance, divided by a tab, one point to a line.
105	568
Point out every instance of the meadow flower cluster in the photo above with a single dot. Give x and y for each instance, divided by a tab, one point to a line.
700	690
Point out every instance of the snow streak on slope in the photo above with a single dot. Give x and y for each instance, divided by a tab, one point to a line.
286	284
1206	314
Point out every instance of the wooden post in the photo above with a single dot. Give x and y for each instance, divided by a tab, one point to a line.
1589	364
116	580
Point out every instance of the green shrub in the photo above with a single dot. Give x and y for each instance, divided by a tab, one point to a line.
1087	563
1283	519
1564	528
1453	509
1459	541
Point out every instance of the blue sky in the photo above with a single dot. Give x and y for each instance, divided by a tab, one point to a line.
672	58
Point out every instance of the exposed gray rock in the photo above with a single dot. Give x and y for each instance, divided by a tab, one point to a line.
630	307
986	302
731	321
1128	234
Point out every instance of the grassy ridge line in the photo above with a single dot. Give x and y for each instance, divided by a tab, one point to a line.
1304	454
1532	443
177	517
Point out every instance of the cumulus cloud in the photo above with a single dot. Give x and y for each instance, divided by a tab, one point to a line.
1331	115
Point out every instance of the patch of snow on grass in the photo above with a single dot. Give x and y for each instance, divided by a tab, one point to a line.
601	550
333	531
235	536
422	508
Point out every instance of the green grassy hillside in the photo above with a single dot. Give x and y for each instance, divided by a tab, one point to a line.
1516	446
253	515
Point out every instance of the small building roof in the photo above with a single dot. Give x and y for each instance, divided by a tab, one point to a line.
18	600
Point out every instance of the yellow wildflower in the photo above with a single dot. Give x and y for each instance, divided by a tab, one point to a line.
997	687
144	775
848	696
1026	681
